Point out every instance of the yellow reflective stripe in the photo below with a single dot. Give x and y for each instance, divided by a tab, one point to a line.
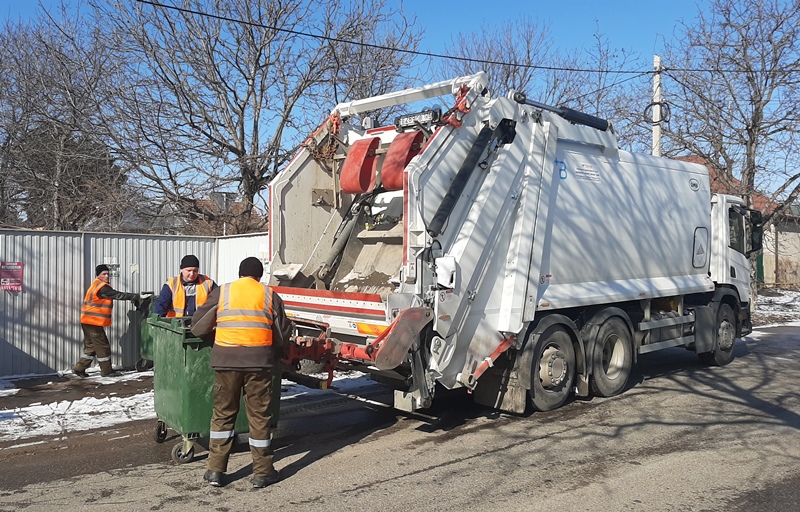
257	313
178	297
225	295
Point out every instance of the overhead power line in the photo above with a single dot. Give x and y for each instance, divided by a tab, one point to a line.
637	72
381	47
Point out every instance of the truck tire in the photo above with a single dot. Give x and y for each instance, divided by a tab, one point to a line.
553	369
724	338
612	358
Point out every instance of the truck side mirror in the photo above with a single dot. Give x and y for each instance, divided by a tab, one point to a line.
755	220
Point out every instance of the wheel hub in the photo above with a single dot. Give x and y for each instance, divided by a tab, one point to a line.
553	368
726	335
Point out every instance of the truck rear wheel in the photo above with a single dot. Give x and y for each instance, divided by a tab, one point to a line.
553	369
725	337
612	358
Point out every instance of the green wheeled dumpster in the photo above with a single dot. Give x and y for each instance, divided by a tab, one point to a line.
183	385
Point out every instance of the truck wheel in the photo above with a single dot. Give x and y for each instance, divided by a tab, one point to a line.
553	369
612	358
725	337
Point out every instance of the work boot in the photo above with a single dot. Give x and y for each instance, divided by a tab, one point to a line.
261	481
105	368
214	478
80	373
112	373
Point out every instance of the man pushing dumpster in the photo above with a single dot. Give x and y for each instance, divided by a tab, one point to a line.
96	313
251	327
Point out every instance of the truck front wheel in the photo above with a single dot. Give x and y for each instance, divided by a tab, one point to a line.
725	337
553	369
612	358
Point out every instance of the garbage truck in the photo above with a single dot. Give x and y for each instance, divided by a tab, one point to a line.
503	246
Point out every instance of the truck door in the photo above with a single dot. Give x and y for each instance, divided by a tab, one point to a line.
738	263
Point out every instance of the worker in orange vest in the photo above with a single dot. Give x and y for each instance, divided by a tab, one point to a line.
98	304
181	295
251	327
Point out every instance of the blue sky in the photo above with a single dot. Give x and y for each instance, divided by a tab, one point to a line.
636	25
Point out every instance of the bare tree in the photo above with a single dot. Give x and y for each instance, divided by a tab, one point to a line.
735	95
218	94
512	55
520	55
9	191
56	166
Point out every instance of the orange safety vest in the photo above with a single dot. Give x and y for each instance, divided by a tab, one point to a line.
203	288
96	310
244	314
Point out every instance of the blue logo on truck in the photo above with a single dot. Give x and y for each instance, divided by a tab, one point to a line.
562	170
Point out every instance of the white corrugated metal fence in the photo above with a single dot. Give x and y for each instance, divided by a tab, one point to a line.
40	327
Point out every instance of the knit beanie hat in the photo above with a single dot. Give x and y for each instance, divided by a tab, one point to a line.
251	267
190	260
100	269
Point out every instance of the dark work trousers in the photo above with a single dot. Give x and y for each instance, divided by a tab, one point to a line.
228	388
95	344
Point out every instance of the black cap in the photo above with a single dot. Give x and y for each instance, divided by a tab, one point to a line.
100	269
190	260
251	267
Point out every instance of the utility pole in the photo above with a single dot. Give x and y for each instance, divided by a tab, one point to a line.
657	106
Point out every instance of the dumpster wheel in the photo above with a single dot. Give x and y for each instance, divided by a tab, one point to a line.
181	454
160	434
142	365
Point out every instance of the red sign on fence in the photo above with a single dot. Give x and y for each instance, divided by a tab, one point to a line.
11	276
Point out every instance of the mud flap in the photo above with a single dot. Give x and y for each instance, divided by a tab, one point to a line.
500	387
705	327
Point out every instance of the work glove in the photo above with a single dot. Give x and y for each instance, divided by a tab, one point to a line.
145	296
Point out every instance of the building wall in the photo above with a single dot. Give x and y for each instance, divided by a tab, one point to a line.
40	327
785	242
233	249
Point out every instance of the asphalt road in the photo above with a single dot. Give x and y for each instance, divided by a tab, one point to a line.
683	437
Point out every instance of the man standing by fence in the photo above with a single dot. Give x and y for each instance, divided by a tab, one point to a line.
183	294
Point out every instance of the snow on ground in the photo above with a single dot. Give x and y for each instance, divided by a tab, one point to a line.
777	307
773	307
60	418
